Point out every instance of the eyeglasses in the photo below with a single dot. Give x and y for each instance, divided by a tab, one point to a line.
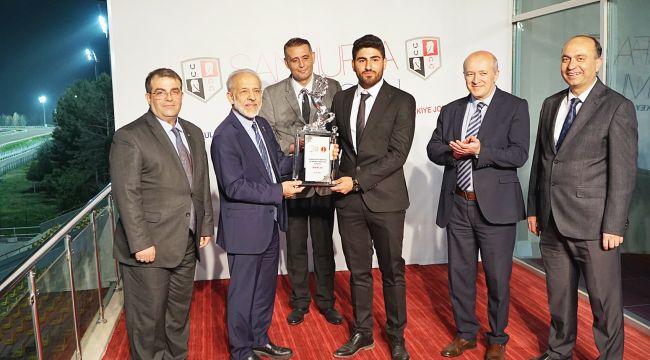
160	94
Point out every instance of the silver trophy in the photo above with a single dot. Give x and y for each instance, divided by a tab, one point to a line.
313	165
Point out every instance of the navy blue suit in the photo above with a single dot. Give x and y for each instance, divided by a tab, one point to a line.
248	229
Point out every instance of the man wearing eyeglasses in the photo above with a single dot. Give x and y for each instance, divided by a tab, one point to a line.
159	174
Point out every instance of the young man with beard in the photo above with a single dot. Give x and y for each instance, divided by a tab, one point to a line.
376	125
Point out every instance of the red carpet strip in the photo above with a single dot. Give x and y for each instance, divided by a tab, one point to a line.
430	321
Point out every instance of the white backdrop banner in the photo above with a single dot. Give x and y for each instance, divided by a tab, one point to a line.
204	41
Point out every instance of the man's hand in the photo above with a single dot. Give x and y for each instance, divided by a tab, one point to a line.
290	188
204	240
343	185
469	147
335	152
611	241
533	226
147	255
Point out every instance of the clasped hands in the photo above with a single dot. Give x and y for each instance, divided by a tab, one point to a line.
471	146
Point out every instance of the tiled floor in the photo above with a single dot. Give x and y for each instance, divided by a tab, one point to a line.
635	272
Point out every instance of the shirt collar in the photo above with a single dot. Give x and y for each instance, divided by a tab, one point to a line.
297	87
486	101
246	123
373	90
168	127
584	94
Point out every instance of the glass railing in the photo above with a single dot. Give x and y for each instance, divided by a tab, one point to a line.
61	289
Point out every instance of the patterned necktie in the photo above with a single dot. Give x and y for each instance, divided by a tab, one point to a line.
263	152
305	105
464	168
361	117
186	160
568	120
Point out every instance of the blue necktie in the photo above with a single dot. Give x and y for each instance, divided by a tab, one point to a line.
464	169
186	161
567	122
263	152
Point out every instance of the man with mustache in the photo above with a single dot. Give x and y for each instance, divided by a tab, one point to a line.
376	125
249	163
581	183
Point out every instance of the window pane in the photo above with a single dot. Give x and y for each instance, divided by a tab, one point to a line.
538	44
522	6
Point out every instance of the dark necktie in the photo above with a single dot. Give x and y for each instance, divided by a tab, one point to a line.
186	161
464	169
570	116
361	117
262	149
305	105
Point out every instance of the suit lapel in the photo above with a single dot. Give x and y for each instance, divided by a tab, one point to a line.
159	133
492	113
290	97
268	136
249	148
382	102
459	117
555	108
586	111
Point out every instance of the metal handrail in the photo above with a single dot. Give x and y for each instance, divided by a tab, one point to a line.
21	271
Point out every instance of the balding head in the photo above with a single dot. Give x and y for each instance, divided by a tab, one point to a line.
481	71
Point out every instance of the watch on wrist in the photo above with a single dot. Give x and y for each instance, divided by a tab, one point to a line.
355	185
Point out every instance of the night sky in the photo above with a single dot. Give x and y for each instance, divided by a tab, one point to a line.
43	44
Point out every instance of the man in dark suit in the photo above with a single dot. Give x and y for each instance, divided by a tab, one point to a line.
481	140
376	124
581	182
159	174
288	108
249	163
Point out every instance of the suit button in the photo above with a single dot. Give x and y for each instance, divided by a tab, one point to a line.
187	214
358	168
556	161
552	183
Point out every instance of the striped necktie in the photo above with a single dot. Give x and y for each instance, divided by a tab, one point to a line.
263	152
464	168
186	161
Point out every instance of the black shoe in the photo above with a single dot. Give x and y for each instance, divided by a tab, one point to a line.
398	351
357	342
332	316
297	316
273	351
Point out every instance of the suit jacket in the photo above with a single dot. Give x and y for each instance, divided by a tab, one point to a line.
281	109
504	137
247	196
383	149
152	193
588	183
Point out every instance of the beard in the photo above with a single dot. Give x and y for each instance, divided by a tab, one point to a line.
247	113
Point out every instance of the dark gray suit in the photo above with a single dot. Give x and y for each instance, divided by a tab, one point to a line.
374	216
489	222
577	193
312	210
153	197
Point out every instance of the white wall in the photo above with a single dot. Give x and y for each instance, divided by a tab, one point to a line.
147	34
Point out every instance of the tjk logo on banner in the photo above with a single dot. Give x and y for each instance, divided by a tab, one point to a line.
423	55
202	77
